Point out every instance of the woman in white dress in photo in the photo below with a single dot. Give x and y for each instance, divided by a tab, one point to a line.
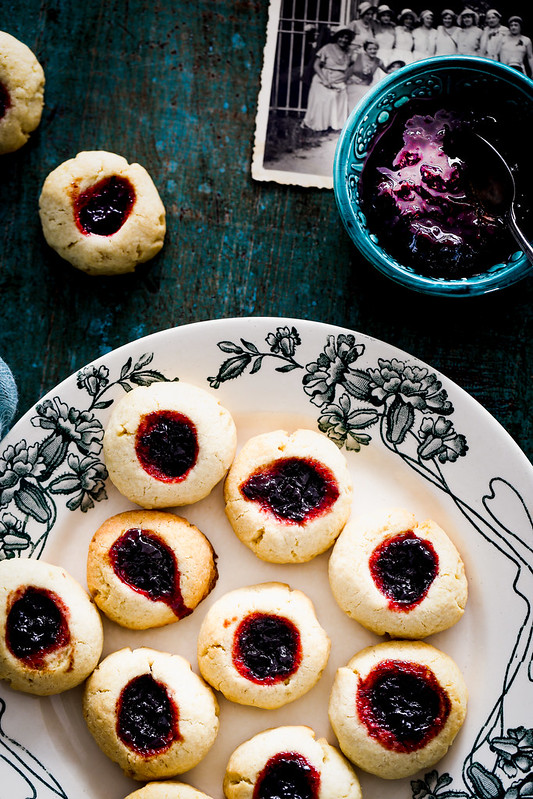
446	43
327	106
469	33
425	36
492	34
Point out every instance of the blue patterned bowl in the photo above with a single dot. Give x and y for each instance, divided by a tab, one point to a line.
433	78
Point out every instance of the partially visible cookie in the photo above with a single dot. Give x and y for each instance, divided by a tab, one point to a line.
397	707
168	444
102	214
21	93
150	713
397	576
289	761
167	790
149	568
50	632
288	496
262	645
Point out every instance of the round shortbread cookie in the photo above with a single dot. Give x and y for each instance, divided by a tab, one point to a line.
289	761
167	790
51	634
102	214
396	576
262	645
149	568
150	713
168	444
397	707
288	496
21	93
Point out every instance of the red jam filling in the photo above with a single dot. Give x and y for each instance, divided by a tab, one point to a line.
103	208
36	626
147	717
266	648
403	567
5	100
287	775
402	705
293	489
143	561
166	445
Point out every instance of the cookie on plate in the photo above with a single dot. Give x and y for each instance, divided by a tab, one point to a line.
102	214
289	761
168	444
167	790
50	632
262	645
397	576
149	568
21	93
397	707
150	713
288	496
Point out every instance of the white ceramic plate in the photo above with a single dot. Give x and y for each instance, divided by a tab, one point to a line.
412	438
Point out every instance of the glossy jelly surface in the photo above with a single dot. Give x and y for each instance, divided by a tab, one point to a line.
147	718
36	625
402	705
403	567
142	560
166	445
293	489
103	208
266	648
287	775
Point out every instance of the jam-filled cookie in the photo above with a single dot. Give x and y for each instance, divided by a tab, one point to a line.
396	576
168	444
167	790
262	645
149	568
150	713
397	707
50	632
21	93
289	761
288	496
102	214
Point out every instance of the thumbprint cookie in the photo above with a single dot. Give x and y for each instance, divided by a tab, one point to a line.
397	576
21	93
288	496
262	645
150	713
102	214
289	762
149	568
168	444
167	790
50	632
397	707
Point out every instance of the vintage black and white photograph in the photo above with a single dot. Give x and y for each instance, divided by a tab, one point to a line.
323	56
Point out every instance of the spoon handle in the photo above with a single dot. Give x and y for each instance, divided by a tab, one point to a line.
519	237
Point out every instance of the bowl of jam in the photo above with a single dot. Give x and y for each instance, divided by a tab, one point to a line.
402	186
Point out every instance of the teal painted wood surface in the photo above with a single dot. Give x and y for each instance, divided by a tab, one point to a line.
174	86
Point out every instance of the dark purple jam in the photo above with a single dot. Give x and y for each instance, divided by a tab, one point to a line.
36	625
266	648
5	100
403	568
417	198
402	705
166	445
287	775
293	489
144	562
147	717
105	206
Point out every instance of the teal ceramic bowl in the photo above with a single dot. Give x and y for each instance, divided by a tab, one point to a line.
471	80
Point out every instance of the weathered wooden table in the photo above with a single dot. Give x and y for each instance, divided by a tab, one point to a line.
174	86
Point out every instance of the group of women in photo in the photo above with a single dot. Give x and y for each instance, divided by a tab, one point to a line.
379	41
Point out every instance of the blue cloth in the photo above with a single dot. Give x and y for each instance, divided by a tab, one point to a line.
8	397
